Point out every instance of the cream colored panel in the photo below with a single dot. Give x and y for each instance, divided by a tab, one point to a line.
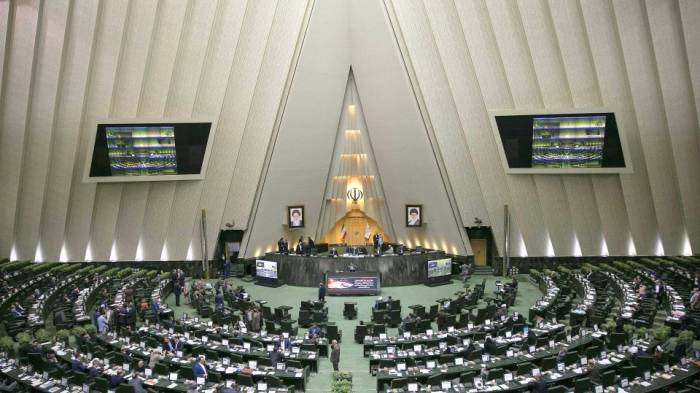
548	68
522	83
226	84
19	65
614	87
40	127
104	221
490	71
155	220
690	14
471	109
4	29
117	219
648	104
435	90
557	217
546	58
167	35
100	90
616	240
584	213
681	115
583	86
67	122
182	101
274	71
134	198
239	44
302	152
156	86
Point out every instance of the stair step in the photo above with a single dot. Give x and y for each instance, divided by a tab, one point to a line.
482	271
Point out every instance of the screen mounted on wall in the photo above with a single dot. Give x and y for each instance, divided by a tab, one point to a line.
149	151
560	142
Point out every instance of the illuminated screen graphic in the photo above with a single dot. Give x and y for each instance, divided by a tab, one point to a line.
568	142
138	151
561	141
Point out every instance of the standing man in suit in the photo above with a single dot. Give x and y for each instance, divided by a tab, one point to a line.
155	308
280	246
335	354
321	292
659	290
227	267
177	290
200	368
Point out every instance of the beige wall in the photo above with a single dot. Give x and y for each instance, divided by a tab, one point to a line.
428	72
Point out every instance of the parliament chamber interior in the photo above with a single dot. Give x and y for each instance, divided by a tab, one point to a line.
337	196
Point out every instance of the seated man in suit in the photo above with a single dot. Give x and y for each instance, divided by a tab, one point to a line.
314	331
95	369
77	364
276	356
177	344
117	379
539	386
200	368
137	383
285	344
168	345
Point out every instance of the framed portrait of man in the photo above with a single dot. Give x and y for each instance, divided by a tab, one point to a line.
414	215
295	216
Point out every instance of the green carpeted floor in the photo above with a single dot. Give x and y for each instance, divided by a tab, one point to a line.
351	358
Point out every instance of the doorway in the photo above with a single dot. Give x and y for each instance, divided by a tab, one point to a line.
479	250
483	246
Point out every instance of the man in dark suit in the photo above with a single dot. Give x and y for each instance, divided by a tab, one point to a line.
321	292
276	356
539	386
117	379
335	355
168	345
177	290
94	370
177	344
280	245
200	368
659	290
155	308
77	365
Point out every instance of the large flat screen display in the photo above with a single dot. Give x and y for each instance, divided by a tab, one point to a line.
266	269
439	267
149	151
560	143
352	283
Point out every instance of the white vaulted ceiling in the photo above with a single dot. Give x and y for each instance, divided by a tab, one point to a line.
428	69
68	63
638	58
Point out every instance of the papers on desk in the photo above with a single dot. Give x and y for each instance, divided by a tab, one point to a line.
298	375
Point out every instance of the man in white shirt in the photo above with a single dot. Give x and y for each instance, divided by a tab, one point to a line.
694	299
102	324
